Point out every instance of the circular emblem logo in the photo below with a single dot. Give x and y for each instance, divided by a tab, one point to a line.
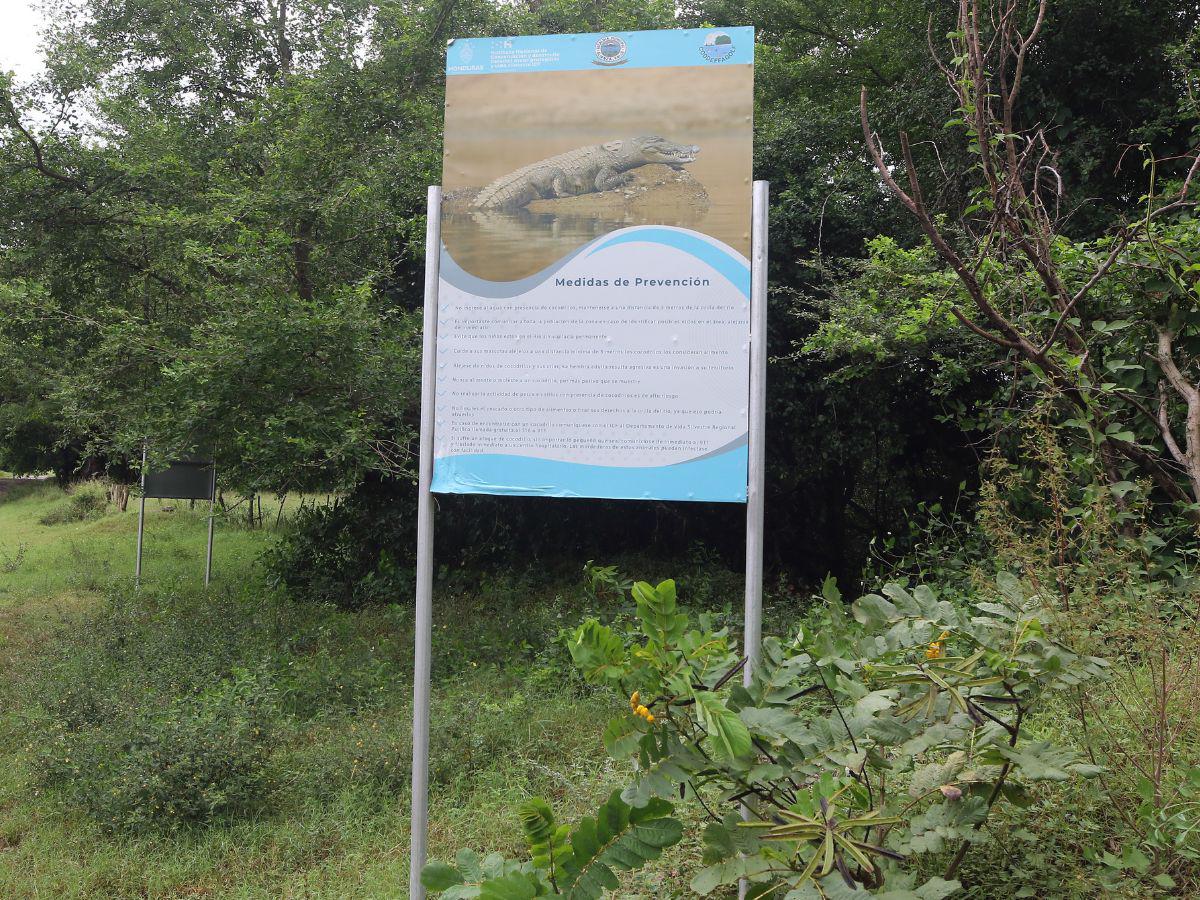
610	51
465	53
717	47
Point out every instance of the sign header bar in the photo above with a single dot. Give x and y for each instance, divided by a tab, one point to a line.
601	50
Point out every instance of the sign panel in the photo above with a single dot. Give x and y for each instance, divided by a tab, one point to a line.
594	297
182	480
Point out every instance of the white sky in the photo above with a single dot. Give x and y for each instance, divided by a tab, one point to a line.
19	24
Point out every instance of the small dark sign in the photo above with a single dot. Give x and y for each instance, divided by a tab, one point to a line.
182	480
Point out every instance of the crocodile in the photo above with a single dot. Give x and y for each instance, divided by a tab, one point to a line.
599	167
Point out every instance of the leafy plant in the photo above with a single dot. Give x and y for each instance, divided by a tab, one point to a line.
201	758
857	747
11	562
576	863
602	580
87	501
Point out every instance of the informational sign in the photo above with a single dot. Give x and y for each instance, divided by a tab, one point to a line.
593	335
182	480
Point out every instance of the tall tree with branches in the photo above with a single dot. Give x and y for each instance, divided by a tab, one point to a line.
1031	293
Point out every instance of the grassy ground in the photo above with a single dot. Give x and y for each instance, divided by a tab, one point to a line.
293	722
509	722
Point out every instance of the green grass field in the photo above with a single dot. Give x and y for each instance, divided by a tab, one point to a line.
123	712
510	720
77	558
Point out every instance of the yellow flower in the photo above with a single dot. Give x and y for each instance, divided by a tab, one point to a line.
633	700
943	636
934	651
650	717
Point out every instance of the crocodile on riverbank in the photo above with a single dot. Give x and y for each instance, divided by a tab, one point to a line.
600	167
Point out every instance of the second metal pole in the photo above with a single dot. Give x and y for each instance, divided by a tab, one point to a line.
423	626
208	556
137	566
757	428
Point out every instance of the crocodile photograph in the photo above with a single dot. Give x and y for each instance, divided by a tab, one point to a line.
585	170
538	164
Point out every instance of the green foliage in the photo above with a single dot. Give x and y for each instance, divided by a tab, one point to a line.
605	580
505	719
88	500
347	553
204	757
549	844
868	749
598	651
618	837
143	735
912	691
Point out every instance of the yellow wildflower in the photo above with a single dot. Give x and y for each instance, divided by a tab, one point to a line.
934	651
633	700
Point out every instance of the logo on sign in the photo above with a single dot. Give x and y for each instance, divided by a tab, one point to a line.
717	47
465	53
610	51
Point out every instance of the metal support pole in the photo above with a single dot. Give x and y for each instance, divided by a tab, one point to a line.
757	434
418	831
137	566
208	557
757	427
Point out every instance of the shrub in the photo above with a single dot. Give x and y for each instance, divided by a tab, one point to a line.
198	759
11	562
860	747
342	553
87	500
159	711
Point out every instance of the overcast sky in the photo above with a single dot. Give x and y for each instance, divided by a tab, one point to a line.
19	37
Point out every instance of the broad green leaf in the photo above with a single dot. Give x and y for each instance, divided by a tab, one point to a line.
829	590
597	651
1040	761
728	734
621	737
438	876
469	865
874	611
776	724
618	836
729	871
514	886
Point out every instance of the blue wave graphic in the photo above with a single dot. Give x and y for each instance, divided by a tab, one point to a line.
727	263
454	274
720	478
732	267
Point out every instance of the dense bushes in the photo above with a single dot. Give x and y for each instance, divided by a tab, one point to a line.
346	553
158	712
165	709
87	500
200	758
862	748
357	551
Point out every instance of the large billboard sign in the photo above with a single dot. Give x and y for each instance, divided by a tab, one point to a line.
593	334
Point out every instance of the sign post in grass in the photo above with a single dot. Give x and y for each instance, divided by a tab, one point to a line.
185	479
595	293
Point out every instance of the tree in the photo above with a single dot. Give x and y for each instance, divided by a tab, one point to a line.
1029	292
